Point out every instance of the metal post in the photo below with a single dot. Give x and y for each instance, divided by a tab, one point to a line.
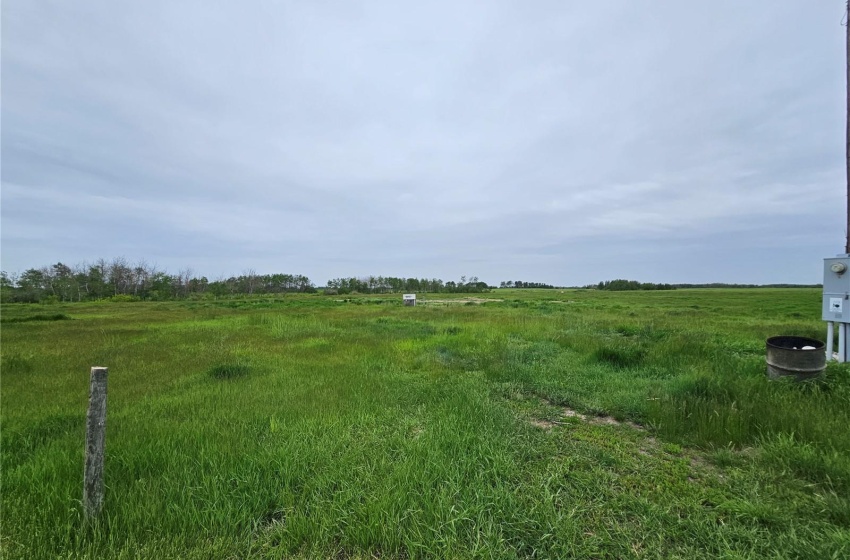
847	143
830	331
842	348
95	443
846	342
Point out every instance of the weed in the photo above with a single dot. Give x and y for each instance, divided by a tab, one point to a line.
17	364
229	371
620	357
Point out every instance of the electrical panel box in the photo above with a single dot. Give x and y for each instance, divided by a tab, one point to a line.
836	289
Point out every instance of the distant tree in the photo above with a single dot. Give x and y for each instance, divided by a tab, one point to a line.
162	286
120	276
8	286
63	283
627	285
251	281
31	286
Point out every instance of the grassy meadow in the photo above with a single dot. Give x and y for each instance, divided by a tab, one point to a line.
535	424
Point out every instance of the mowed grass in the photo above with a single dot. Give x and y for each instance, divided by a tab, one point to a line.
550	424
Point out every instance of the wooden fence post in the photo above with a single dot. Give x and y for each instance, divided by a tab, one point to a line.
95	443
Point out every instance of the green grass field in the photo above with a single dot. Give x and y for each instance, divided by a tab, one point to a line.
548	424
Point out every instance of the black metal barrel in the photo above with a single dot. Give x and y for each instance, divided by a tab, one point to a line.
786	357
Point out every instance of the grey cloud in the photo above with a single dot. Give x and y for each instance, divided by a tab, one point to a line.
507	140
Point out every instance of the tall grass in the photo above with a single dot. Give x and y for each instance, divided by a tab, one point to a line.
310	427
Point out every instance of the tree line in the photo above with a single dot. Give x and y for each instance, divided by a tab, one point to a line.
391	284
627	285
119	279
521	284
122	280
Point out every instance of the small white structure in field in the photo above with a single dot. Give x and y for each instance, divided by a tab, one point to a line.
409	299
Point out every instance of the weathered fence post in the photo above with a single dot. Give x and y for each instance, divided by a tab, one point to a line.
95	443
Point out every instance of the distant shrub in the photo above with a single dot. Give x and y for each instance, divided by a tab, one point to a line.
17	364
229	371
646	332
620	357
198	296
627	330
123	298
52	317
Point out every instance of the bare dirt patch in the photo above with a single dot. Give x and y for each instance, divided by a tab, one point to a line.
649	445
543	424
567	412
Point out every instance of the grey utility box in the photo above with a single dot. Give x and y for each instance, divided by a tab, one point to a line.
836	289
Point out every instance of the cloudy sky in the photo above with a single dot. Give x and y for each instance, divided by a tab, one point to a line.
562	142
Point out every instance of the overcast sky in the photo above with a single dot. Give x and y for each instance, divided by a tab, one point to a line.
561	142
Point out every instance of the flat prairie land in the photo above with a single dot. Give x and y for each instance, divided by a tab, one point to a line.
521	424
